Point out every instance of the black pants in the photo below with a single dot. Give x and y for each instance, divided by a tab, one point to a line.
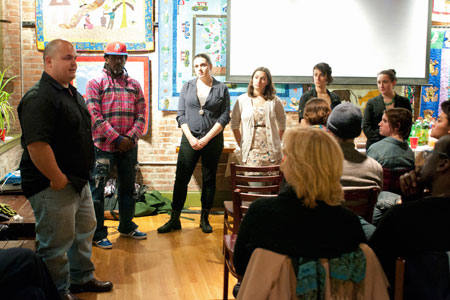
23	275
187	160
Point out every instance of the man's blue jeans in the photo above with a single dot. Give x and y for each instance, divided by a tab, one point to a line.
65	225
126	177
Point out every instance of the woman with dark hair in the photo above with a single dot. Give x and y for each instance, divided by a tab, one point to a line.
442	125
258	121
203	113
322	78
393	151
375	107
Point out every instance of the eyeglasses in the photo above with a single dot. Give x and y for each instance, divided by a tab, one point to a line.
427	154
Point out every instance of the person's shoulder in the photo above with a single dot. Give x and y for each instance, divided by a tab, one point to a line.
98	78
220	85
376	146
403	98
276	99
373	163
265	204
308	93
134	82
243	96
374	99
190	83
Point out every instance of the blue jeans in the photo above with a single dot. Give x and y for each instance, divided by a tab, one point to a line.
65	225
187	160
126	177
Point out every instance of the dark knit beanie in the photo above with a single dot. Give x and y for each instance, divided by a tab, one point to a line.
345	121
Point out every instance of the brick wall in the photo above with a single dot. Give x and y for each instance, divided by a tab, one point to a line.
156	150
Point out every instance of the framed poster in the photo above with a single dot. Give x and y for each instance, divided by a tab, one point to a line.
90	25
138	67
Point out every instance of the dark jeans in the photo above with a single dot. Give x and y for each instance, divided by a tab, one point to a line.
23	275
126	177
187	160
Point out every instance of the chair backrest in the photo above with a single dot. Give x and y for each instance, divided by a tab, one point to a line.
423	276
362	201
391	179
268	177
241	202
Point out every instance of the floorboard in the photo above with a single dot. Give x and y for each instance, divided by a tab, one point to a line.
186	264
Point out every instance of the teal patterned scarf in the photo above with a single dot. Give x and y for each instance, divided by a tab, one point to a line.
347	273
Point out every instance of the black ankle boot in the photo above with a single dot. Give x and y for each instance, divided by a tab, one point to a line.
204	222
173	224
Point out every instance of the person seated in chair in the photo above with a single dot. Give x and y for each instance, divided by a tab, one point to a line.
316	113
359	170
393	151
306	219
423	223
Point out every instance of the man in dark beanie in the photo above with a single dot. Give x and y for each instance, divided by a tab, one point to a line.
359	171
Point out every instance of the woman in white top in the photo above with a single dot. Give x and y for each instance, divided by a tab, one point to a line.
258	121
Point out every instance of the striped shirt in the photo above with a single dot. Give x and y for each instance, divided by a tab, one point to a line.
117	108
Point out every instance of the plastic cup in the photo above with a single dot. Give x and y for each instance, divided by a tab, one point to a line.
414	140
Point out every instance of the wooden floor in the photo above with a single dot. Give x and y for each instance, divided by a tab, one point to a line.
186	264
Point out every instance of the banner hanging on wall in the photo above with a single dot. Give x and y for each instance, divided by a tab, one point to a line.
438	90
90	25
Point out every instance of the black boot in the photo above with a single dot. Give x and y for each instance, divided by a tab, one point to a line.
204	222
173	224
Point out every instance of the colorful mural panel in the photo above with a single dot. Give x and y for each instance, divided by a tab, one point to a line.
90	25
438	90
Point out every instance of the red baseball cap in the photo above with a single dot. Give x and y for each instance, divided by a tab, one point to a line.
116	48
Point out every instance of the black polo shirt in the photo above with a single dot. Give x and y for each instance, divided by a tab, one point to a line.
58	116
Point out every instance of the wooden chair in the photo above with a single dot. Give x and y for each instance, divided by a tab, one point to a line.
391	179
399	278
362	201
241	181
241	201
423	276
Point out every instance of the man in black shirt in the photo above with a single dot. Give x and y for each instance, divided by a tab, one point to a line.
55	166
419	225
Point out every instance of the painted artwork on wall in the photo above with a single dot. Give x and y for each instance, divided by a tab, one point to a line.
90	25
138	67
188	27
441	13
438	90
210	38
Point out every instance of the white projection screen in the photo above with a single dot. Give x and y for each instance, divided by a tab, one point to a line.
358	38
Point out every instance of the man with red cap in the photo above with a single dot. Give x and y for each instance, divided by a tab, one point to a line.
117	106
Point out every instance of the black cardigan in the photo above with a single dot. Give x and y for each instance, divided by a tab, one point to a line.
284	225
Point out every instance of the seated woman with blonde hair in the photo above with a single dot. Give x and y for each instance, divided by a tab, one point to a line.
316	113
306	219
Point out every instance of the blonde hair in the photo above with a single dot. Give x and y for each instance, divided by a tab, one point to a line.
313	166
